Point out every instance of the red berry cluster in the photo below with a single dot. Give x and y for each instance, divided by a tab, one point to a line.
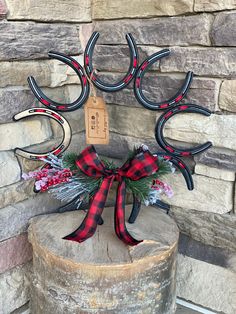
46	178
54	178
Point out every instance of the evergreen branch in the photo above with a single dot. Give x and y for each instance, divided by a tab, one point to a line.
108	164
69	161
80	186
164	167
141	188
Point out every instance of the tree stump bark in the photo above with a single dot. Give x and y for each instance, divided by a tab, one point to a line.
102	274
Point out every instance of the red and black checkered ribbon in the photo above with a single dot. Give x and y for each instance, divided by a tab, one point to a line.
140	166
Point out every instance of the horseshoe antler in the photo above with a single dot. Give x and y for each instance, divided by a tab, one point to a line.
53	104
139	81
88	55
166	116
51	114
172	108
173	152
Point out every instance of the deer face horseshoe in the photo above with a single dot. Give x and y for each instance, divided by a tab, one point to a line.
51	114
53	104
88	54
139	80
166	116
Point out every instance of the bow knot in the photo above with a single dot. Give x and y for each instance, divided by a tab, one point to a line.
141	165
114	174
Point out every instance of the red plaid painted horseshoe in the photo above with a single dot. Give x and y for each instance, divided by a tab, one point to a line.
53	104
166	116
182	167
51	114
88	54
138	84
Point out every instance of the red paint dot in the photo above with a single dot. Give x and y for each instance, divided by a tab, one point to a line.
164	105
75	64
178	98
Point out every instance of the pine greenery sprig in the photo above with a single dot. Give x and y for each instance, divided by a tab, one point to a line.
109	164
141	188
69	161
164	167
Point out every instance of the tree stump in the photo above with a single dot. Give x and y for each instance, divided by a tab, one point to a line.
102	274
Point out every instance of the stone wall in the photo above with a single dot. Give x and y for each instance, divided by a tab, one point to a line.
201	36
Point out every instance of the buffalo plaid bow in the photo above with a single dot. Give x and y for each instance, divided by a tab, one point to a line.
142	165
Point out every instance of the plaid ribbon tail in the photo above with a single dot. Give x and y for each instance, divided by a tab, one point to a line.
120	227
90	222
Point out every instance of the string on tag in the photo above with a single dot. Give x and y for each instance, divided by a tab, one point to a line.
96	116
92	87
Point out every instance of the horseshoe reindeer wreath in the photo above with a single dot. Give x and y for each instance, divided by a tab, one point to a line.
84	177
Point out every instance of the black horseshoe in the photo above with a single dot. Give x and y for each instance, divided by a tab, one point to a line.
183	168
51	114
53	104
88	55
135	210
162	205
138	84
166	116
137	206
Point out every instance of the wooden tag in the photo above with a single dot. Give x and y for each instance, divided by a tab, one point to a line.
96	121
